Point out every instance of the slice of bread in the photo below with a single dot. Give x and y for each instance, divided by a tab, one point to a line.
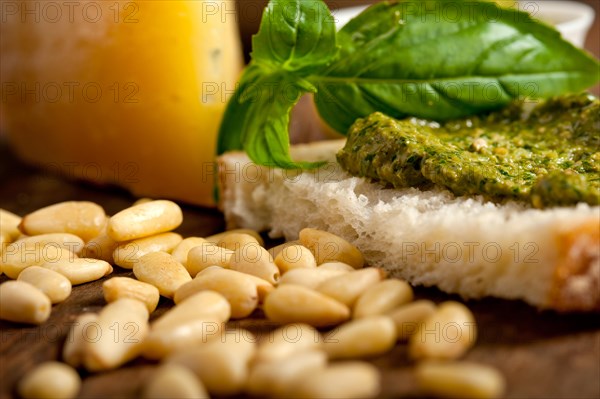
549	258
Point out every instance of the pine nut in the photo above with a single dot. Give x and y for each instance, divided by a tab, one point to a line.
446	334
56	286
288	340
205	305
296	304
5	240
407	318
347	380
206	255
122	328
162	271
182	335
336	266
144	220
84	219
9	224
240	340
460	380
65	240
238	288
216	238
80	270
309	278
221	365
235	241
278	248
100	247
369	336
328	247
263	287
125	287
174	381
142	201
275	378
50	380
293	257
181	251
255	260
128	254
83	329
17	258
349	286
382	298
21	302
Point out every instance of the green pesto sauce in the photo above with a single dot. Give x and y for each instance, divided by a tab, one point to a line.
547	155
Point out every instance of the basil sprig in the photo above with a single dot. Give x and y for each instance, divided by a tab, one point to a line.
431	59
295	39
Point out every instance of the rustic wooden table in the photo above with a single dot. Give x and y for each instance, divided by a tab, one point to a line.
542	354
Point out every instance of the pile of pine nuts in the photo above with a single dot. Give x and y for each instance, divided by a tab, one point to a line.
318	281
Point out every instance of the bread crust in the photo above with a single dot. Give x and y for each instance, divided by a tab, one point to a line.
574	267
576	284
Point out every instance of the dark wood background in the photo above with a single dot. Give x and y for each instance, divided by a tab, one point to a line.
542	354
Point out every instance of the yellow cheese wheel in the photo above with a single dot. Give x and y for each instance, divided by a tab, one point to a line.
121	92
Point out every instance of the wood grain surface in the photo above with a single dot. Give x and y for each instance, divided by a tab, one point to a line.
542	354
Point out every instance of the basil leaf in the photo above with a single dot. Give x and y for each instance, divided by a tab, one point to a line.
265	135
295	35
295	39
236	112
432	59
443	60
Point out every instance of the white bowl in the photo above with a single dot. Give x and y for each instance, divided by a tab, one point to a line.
343	15
571	18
